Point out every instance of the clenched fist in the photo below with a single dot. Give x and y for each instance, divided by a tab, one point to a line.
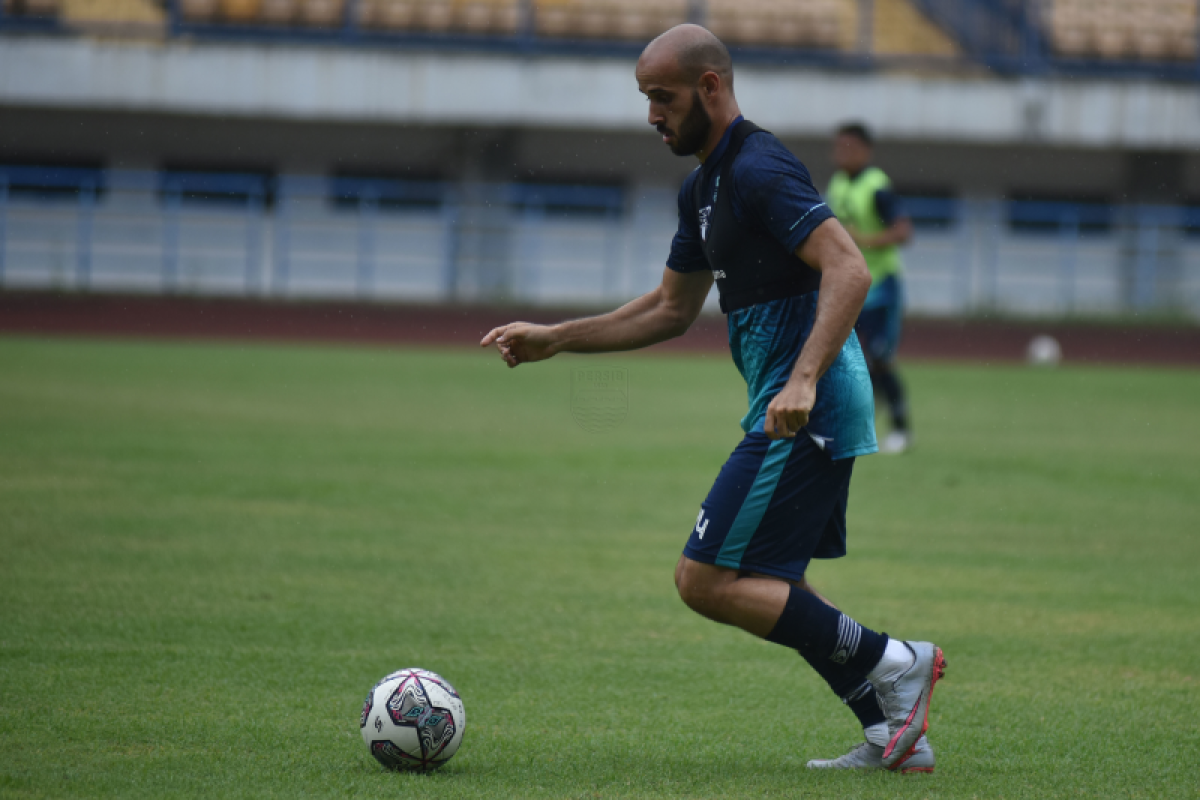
789	410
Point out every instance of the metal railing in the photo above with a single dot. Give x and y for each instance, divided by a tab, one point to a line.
371	238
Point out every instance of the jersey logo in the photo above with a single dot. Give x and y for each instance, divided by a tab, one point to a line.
705	213
719	274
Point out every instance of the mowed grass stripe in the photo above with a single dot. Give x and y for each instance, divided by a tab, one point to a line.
210	552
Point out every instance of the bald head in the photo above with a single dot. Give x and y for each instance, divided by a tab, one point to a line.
687	76
691	51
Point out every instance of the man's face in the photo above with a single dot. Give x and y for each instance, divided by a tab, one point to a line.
676	111
850	153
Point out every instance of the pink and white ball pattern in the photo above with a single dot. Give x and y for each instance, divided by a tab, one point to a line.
413	719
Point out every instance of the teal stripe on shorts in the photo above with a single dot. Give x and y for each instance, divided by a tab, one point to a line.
755	505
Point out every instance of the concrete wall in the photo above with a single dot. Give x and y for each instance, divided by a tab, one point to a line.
405	87
144	140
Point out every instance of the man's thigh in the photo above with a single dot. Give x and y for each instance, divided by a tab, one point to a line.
879	326
773	508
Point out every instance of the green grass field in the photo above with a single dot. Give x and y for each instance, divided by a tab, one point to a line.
209	552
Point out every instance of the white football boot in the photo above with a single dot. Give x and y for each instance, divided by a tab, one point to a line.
896	442
870	756
904	698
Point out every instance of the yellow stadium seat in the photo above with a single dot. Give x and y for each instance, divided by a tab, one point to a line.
1121	29
272	12
389	14
322	13
198	10
240	10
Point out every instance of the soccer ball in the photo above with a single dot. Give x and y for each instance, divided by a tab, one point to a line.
1044	351
413	720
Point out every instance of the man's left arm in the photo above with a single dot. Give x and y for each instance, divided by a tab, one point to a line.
899	228
844	285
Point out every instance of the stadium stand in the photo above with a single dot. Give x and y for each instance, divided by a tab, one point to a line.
31	8
440	16
112	13
1098	30
816	23
1122	29
900	28
617	19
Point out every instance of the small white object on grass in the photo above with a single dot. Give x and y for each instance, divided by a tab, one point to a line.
1044	351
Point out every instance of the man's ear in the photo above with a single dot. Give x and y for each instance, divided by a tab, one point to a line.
710	84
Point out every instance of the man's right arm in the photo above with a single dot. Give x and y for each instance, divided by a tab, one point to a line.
664	313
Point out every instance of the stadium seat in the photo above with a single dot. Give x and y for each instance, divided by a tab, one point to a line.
484	16
617	19
813	23
247	11
321	13
442	16
198	10
1123	29
111	14
388	14
32	8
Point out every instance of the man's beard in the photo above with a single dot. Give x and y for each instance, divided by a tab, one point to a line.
694	130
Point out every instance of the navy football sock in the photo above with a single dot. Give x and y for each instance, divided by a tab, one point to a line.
821	632
893	389
854	690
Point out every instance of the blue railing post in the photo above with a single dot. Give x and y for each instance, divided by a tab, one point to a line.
527	272
254	223
1145	265
368	207
172	200
3	220
1069	252
83	240
967	219
991	254
279	271
612	230
450	231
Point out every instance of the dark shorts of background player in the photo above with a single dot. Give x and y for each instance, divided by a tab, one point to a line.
774	507
878	325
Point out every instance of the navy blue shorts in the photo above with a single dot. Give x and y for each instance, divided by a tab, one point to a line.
879	322
774	507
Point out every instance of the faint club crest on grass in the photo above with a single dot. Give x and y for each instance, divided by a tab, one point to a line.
599	397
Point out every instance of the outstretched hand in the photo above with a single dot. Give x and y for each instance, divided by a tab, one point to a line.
521	342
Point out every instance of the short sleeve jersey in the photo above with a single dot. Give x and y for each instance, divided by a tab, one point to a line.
772	191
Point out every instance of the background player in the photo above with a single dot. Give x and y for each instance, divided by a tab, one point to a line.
861	196
751	220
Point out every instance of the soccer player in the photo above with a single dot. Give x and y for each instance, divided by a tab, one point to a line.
750	219
862	198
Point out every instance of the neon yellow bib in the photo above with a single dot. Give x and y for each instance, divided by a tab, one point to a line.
853	201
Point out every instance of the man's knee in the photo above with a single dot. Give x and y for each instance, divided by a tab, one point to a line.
702	586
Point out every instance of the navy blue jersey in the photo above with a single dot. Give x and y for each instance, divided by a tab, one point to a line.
772	189
769	184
